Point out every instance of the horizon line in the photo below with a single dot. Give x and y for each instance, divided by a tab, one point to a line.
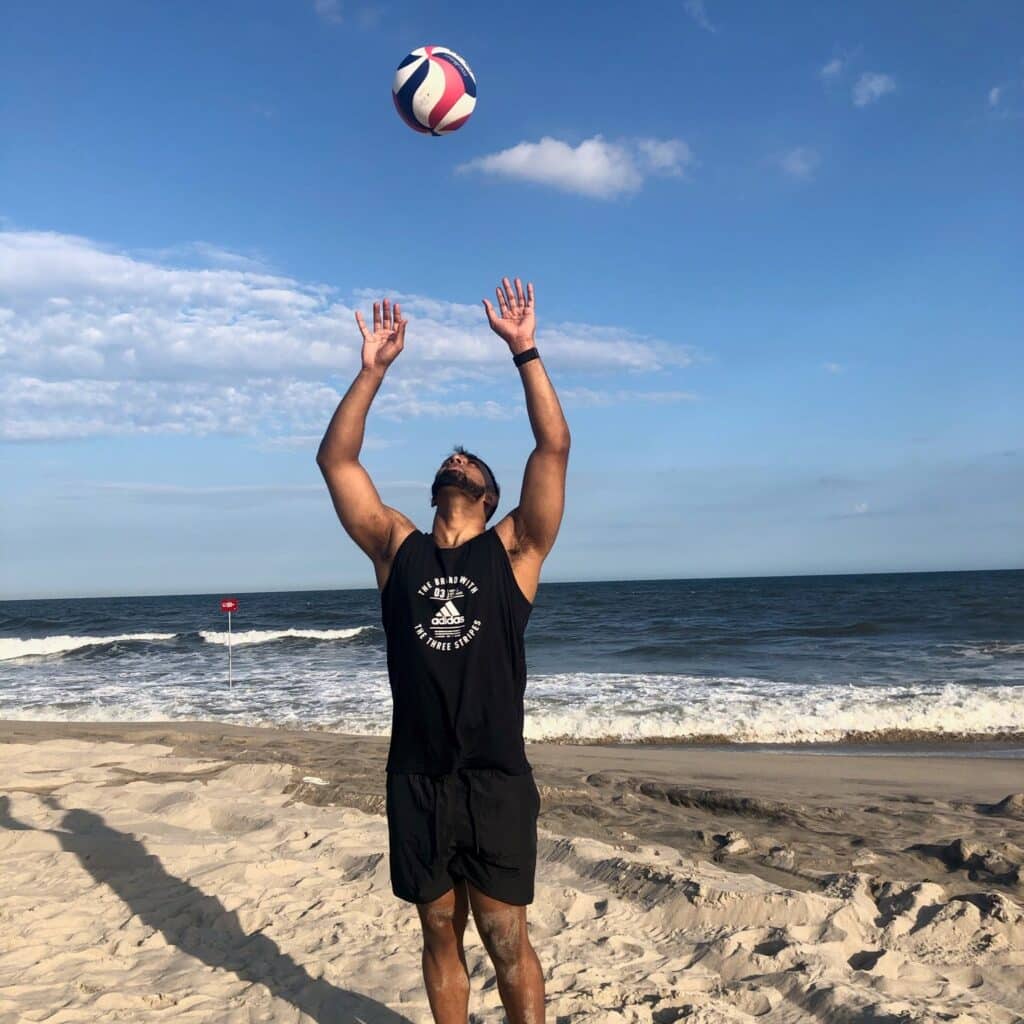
637	579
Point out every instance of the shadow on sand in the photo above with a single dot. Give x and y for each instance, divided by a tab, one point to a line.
199	924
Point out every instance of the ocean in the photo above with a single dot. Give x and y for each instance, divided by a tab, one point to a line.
780	660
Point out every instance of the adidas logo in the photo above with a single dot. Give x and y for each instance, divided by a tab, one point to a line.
448	615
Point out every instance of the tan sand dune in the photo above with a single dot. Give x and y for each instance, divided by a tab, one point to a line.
137	885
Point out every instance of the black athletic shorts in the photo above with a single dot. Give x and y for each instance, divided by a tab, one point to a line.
474	823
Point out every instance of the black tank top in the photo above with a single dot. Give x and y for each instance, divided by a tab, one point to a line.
454	620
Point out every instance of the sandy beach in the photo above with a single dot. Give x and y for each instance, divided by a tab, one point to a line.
206	872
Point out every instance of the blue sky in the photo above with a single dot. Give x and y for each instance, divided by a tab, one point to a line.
777	254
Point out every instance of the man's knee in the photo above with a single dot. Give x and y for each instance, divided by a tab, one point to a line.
503	933
443	921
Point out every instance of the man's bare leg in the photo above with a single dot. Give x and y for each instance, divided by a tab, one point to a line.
444	957
502	928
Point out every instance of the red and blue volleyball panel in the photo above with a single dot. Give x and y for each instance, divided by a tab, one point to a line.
434	90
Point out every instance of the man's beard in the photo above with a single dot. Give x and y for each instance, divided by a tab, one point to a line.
456	478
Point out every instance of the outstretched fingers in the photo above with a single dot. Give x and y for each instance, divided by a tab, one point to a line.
387	319
361	324
513	302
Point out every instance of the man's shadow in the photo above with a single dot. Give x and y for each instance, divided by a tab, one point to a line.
196	923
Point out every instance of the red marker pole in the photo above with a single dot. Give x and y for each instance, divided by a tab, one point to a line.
229	605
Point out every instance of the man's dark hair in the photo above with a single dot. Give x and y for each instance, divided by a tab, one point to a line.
492	483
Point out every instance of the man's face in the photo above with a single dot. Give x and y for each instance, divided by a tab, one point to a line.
460	472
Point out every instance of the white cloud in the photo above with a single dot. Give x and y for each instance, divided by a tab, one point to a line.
95	342
871	87
298	442
329	10
833	69
664	156
834	367
860	508
993	96
696	10
206	254
45	410
594	168
799	163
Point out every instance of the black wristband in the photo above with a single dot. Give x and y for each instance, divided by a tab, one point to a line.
525	357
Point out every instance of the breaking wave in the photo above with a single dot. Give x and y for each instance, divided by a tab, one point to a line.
12	647
266	636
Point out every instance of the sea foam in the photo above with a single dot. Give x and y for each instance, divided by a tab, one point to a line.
12	647
647	708
266	636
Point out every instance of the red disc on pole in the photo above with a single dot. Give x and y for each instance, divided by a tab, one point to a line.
229	604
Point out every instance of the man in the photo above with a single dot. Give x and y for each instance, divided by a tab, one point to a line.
462	803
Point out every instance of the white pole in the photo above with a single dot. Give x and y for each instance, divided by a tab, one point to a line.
229	648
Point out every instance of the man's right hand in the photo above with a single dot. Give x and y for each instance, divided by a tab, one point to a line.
382	345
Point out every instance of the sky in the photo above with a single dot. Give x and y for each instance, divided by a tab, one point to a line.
777	253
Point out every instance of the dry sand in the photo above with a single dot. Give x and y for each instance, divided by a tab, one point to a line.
186	872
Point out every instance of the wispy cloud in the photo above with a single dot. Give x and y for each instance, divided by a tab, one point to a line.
697	11
871	87
595	168
214	495
833	367
832	70
590	397
799	163
1004	101
206	254
97	342
664	156
328	10
858	510
299	442
839	65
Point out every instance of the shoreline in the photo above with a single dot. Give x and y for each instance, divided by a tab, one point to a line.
896	743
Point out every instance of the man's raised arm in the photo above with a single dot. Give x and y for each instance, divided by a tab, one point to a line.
365	517
542	499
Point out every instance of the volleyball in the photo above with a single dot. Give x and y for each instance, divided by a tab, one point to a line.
434	90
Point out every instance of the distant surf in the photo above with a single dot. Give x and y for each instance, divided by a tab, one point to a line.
883	659
266	636
43	646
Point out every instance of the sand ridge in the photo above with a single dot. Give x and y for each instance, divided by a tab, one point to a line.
140	884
